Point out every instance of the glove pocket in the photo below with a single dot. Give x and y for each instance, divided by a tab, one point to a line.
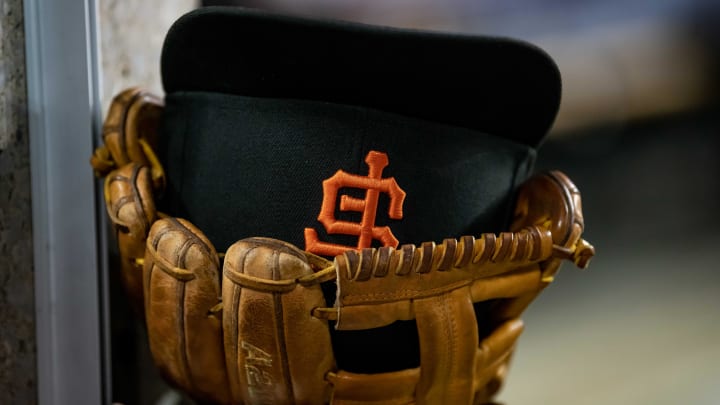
276	351
181	283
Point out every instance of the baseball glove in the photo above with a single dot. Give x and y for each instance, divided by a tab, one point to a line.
251	326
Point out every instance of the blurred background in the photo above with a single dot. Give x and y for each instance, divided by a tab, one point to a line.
638	132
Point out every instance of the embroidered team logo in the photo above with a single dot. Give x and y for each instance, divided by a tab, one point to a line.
365	230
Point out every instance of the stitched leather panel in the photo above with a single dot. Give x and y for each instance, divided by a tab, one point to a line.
377	286
132	114
181	287
487	366
448	342
276	352
132	209
492	358
394	388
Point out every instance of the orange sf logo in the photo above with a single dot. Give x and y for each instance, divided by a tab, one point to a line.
365	229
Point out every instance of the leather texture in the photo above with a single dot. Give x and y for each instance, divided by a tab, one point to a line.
181	287
258	332
276	352
131	180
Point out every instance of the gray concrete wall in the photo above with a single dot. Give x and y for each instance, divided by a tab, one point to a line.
17	330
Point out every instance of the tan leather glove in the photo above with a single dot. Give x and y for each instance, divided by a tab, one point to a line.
259	331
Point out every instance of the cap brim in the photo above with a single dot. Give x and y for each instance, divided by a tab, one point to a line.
498	86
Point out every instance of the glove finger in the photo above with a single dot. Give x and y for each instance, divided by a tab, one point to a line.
277	352
181	287
130	205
